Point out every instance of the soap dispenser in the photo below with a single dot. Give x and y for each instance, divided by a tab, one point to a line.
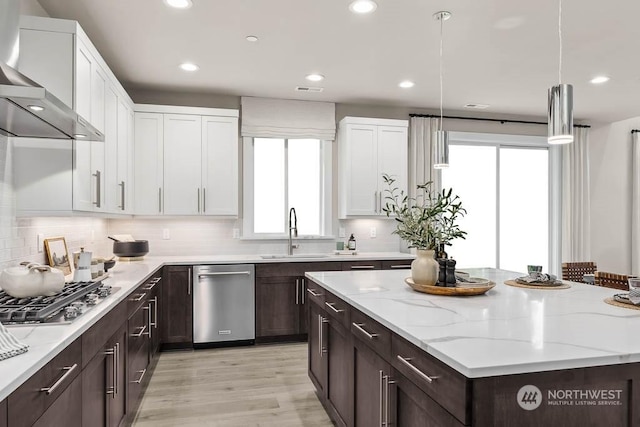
351	244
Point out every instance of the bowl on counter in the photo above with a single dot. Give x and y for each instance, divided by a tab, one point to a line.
108	264
137	248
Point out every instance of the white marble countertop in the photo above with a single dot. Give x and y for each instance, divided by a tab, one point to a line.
46	341
508	330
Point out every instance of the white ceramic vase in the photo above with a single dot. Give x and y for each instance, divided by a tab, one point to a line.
424	269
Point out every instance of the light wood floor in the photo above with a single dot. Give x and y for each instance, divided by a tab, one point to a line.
244	386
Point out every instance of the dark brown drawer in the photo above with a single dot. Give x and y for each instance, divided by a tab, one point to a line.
361	265
337	308
443	384
138	329
287	269
140	296
371	332
31	399
400	264
94	339
315	293
137	373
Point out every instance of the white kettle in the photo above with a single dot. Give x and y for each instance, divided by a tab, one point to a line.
31	280
83	267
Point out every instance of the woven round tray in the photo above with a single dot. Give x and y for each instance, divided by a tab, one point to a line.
611	301
460	290
520	285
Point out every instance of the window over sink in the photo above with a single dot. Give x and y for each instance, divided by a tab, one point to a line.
279	174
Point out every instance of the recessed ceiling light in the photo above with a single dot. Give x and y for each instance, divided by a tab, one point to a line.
252	38
406	84
179	4
363	6
79	135
315	77
36	108
599	79
188	66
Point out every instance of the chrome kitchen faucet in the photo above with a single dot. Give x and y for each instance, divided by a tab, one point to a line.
293	228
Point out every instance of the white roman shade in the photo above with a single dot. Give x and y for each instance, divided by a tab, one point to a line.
283	118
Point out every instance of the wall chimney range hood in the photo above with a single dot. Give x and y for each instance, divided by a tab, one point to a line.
29	110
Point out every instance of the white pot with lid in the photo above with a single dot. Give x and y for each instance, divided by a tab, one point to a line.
31	280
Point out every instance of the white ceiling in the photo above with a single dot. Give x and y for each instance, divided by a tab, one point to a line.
498	52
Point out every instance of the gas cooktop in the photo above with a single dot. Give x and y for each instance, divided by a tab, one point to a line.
74	300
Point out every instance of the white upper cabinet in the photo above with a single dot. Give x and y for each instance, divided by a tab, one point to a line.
368	148
186	161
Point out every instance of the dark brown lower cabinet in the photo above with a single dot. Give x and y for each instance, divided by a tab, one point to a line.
3	413
370	373
177	307
278	312
317	352
338	347
103	384
66	410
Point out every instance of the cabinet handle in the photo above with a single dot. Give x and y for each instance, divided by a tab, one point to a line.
405	361
139	380
363	267
331	306
189	284
381	401
387	379
98	195
114	371
68	370
297	291
198	200
314	293
116	367
321	321
141	332
121	185
149	323
401	267
359	326
155	312
159	200
150	286
375	201
204	200
140	297
302	291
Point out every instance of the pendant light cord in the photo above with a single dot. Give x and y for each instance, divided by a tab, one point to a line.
560	41
441	85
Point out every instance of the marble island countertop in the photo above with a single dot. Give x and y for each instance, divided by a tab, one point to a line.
509	330
46	341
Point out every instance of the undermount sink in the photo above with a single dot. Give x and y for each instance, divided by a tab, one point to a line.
294	256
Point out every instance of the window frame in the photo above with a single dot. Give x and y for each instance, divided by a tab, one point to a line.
325	191
554	179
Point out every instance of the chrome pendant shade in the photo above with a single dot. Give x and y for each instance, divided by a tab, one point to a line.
441	152
560	114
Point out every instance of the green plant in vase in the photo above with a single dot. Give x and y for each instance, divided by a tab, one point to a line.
424	222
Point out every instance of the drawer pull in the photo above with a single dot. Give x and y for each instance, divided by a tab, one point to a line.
139	380
359	326
150	286
401	267
314	293
68	370
405	361
140	297
331	306
141	332
363	267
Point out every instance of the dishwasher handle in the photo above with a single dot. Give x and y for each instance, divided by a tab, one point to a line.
224	273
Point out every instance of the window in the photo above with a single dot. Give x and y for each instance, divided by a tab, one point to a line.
283	173
504	183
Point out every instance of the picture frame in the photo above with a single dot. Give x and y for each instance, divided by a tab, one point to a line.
58	254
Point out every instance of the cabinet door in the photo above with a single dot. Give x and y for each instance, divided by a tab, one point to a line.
66	410
277	306
369	371
177	308
98	174
149	161
83	76
84	180
98	92
122	177
362	171
317	360
339	371
116	402
94	391
3	413
183	164
392	158
220	166
111	149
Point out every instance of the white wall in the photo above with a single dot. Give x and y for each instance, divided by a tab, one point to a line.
610	168
18	236
32	7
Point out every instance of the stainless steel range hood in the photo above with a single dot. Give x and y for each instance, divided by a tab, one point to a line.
26	108
29	110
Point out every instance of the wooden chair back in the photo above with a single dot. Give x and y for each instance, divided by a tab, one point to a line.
612	280
574	271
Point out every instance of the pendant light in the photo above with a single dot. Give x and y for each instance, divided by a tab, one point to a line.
441	152
560	114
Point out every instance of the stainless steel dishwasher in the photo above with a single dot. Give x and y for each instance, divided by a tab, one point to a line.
223	304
